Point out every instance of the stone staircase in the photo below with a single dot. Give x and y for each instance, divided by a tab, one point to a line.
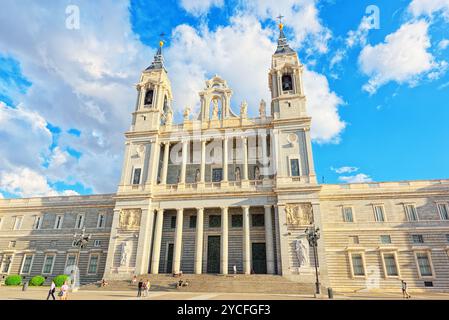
214	283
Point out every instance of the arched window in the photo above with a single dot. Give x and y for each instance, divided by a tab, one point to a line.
287	82
148	97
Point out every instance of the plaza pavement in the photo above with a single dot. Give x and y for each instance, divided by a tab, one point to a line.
16	293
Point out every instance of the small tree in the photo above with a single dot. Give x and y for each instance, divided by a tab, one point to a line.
13	280
37	281
60	279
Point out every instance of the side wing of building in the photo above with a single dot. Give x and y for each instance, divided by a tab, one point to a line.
377	234
37	235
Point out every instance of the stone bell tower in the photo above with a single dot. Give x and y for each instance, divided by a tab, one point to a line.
154	98
290	120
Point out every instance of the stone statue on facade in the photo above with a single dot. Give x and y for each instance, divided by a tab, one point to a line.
237	174
130	218
197	175
302	252
125	254
186	113
169	118
244	109
215	110
263	109
257	173
299	214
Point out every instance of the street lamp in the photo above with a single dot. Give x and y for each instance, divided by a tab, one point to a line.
80	241
312	236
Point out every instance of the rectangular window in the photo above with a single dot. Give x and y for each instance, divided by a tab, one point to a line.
217	174
79	221
357	264
136	176
71	260
97	243
354	240
93	264
424	264
417	238
390	265
347	214
48	264
58	222
26	264
236	221
101	221
6	263
173	222
37	222
18	223
385	239
192	222
294	167
214	221
257	220
379	213
444	212
410	212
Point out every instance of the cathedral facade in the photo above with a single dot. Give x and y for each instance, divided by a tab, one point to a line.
224	193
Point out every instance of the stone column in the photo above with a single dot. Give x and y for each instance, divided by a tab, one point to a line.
144	242
113	247
225	159
177	250
311	165
269	244
224	241
245	158
165	164
199	241
283	241
182	178
246	242
157	242
203	161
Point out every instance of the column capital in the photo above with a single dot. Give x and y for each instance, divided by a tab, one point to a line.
180	210
224	208
160	210
268	206
245	207
200	209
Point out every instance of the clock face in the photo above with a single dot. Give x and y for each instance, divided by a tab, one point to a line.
292	138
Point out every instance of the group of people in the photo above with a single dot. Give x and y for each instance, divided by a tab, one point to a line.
143	287
62	294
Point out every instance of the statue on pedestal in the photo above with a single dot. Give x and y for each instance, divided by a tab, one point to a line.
302	252
215	110
263	109
244	109
125	254
186	113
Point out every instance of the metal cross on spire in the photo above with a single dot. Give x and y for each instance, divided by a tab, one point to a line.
280	18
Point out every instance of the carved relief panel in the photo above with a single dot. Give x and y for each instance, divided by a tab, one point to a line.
300	214
130	219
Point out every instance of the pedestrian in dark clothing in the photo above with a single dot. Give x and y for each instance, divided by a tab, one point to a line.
52	290
139	288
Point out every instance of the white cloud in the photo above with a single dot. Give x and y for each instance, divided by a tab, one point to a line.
200	7
429	7
80	78
195	55
402	58
300	15
359	36
359	178
28	183
322	105
345	170
443	44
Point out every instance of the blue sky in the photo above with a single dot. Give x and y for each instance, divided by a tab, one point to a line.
378	96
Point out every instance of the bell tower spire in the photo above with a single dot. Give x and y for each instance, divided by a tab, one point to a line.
153	106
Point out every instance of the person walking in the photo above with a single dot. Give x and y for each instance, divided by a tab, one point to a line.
405	293
147	287
52	290
139	288
64	291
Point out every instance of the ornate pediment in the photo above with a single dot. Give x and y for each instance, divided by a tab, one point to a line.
300	214
130	219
